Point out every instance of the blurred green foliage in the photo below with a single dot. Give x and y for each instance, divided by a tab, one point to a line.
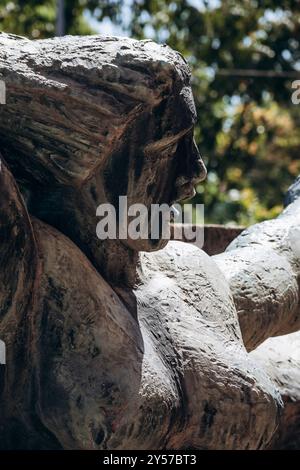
244	55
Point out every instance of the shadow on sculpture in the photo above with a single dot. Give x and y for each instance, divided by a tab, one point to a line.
135	344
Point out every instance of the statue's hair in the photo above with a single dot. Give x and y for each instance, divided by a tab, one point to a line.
106	82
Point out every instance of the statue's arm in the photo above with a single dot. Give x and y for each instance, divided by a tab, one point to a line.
262	267
73	351
18	282
280	357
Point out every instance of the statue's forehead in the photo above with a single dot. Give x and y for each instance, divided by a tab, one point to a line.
188	102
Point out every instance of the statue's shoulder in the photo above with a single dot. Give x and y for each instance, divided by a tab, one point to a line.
183	271
71	289
182	261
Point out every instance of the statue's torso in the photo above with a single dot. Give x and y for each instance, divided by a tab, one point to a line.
176	376
192	353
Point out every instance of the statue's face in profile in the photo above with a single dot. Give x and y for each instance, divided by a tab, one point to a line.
157	160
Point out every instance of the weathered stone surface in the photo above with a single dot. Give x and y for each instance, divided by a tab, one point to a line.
94	377
89	119
293	193
281	359
123	346
216	238
262	267
71	100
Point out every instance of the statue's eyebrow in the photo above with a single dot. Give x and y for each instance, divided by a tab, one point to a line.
167	141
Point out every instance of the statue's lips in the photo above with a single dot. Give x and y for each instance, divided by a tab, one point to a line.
185	191
185	185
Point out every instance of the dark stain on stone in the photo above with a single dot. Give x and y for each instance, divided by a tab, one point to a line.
79	402
93	193
116	175
208	416
56	293
98	436
94	351
71	337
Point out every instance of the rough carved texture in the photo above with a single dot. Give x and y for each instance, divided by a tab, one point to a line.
262	267
96	378
293	192
120	346
281	359
74	88
90	119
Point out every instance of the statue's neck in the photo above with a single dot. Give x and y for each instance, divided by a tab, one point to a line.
120	270
119	265
74	214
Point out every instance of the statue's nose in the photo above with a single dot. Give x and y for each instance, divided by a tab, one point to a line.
198	168
191	167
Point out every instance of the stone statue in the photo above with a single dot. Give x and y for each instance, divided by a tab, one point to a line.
133	344
280	357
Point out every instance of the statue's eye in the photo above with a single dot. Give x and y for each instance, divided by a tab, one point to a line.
163	151
170	149
166	146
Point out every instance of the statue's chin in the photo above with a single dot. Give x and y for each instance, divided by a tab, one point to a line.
146	245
